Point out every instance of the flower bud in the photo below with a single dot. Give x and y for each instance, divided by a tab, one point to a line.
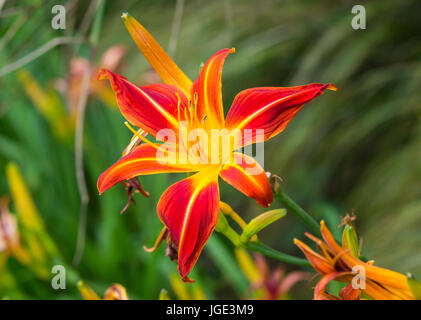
350	240
260	222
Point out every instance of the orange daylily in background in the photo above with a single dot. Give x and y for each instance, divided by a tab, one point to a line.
24	234
190	208
336	262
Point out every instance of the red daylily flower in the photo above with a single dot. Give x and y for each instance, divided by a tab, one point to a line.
190	208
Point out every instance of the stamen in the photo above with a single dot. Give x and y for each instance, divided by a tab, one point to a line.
203	120
323	250
195	105
178	106
140	136
162	236
195	99
190	113
134	142
339	255
187	118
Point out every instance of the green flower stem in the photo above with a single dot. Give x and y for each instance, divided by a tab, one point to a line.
223	227
284	257
294	208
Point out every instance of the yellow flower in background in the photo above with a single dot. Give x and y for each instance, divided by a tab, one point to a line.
114	292
185	291
49	105
36	249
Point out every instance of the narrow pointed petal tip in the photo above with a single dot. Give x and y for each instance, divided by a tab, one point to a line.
331	86
270	109
103	74
125	16
188	280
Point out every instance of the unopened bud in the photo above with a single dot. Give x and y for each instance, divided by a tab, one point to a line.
350	240
260	222
87	292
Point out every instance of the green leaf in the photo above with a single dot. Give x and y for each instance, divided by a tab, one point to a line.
225	261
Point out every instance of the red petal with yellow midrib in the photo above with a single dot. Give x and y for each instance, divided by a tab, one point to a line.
190	209
208	91
269	108
152	107
143	160
246	175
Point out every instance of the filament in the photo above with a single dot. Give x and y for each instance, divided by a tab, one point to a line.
140	136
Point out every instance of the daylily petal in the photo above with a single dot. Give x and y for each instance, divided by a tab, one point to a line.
330	241
189	209
143	160
206	92
246	175
377	291
320	288
349	293
151	107
269	108
319	263
169	72
384	276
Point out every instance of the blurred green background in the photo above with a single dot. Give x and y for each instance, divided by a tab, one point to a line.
356	150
